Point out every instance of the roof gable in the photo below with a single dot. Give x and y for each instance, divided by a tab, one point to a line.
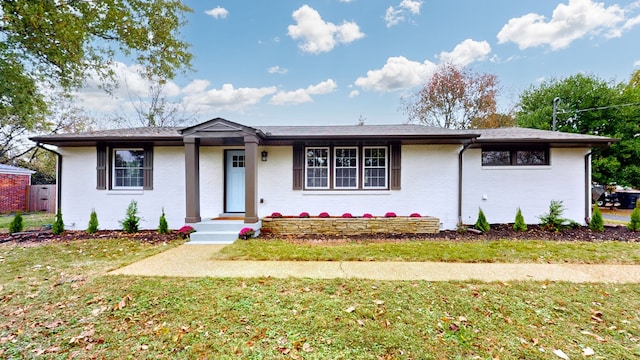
217	128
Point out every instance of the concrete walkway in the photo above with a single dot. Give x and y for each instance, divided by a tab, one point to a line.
195	261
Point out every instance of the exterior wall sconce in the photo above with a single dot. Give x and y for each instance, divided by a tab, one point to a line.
264	155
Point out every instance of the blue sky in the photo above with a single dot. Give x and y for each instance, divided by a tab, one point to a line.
334	61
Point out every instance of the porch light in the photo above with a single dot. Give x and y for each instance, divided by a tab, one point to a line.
264	155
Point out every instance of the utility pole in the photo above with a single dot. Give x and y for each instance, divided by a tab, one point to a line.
555	111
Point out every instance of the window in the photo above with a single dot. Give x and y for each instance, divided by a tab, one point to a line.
128	168
124	168
508	157
346	167
317	168
375	167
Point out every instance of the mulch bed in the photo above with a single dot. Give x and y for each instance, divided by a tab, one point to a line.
497	232
38	237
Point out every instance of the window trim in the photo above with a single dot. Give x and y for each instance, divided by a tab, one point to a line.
114	169
328	167
105	166
386	167
513	159
335	168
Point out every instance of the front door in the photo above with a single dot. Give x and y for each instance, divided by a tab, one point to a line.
234	181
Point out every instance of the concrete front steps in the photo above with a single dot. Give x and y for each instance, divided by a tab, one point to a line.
212	231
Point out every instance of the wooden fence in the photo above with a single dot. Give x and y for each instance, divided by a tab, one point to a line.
42	198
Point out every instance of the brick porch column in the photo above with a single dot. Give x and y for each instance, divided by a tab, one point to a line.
251	179
192	179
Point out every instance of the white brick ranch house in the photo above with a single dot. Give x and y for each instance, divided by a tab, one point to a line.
221	167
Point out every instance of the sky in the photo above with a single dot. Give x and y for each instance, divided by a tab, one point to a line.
329	62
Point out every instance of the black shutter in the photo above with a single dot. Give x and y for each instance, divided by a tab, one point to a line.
101	167
147	168
396	160
298	167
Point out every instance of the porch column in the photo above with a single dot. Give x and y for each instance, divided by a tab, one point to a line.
251	179
192	179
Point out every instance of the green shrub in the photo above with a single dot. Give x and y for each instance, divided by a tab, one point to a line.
553	220
163	226
17	225
92	228
131	222
596	223
482	224
519	224
634	221
58	224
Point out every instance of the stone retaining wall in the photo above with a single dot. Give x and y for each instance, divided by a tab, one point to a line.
351	226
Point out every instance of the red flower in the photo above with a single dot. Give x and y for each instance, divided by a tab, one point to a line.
390	214
276	215
303	215
347	215
415	215
323	215
367	216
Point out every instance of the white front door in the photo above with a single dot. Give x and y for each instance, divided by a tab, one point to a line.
234	181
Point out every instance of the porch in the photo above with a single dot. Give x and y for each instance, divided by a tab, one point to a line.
223	229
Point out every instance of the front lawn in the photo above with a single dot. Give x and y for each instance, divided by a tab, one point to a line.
30	220
56	302
610	252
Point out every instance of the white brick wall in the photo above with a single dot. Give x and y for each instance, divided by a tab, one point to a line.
429	187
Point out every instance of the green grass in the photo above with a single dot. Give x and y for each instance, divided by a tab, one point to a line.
30	220
613	252
56	303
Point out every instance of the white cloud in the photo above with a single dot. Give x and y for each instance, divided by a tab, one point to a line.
218	12
277	70
395	15
636	63
466	52
318	35
228	97
354	93
569	22
397	73
303	95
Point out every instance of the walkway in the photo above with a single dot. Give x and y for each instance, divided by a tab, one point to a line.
195	261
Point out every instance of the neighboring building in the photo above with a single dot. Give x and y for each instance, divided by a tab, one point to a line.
221	167
14	188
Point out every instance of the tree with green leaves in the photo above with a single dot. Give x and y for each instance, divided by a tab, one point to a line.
519	224
597	222
92	227
482	224
454	97
58	224
589	105
17	224
163	226
58	44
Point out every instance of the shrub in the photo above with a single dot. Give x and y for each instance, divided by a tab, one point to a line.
553	220
415	215
17	225
58	224
519	224
276	215
390	214
347	215
131	222
596	223
303	214
482	224
323	214
367	216
634	221
185	231
92	228
461	228
163	226
246	233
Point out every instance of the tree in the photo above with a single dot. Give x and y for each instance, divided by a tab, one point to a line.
635	79
589	105
58	44
453	97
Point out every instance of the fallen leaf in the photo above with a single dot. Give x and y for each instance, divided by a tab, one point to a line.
360	322
378	302
595	336
350	309
588	351
559	353
307	348
454	327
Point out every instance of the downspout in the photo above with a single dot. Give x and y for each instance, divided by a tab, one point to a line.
58	176
587	190
464	147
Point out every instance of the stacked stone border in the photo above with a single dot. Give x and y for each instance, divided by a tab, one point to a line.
351	226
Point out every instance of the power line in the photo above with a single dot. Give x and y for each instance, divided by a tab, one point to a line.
598	108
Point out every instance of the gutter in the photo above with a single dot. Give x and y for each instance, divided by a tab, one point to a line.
58	176
464	147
